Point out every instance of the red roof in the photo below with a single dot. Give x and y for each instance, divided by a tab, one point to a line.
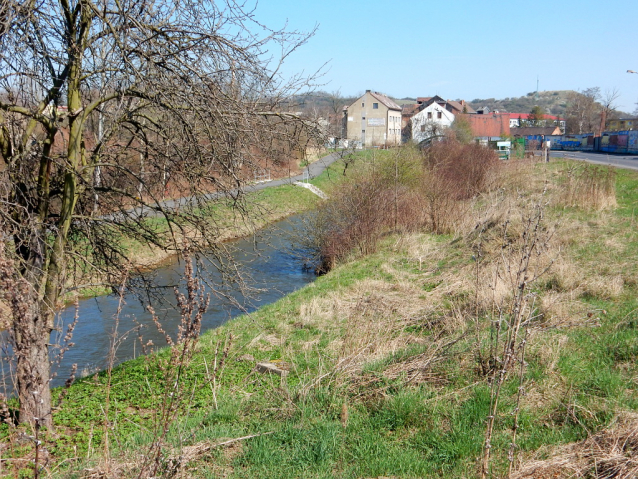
492	124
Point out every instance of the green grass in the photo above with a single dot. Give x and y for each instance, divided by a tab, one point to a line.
396	428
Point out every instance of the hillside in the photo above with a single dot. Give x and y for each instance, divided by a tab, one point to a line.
553	102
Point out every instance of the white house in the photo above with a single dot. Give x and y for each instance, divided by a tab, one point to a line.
430	121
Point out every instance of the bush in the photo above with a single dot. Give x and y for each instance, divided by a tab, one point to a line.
454	172
464	170
405	191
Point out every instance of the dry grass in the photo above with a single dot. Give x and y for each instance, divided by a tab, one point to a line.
612	453
588	186
376	314
180	464
521	174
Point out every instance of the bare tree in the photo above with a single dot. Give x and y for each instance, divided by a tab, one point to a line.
608	106
100	102
583	110
336	104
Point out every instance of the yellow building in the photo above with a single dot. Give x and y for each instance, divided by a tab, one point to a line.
374	120
621	124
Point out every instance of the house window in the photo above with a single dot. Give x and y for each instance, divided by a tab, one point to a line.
375	106
422	128
429	115
362	104
439	115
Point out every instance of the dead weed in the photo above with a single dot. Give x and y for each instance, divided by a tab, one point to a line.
612	453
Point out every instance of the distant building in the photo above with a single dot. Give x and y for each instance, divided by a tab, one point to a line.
430	121
622	124
374	120
517	118
430	115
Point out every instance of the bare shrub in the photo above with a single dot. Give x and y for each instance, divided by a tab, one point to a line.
173	366
405	192
453	173
352	221
522	259
588	187
465	169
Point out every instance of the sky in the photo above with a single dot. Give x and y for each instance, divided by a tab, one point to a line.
462	49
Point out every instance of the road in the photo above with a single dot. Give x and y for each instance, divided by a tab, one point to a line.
626	161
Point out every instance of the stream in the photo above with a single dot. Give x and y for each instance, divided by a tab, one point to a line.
267	258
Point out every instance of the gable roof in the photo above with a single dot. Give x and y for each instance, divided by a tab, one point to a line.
535	131
385	100
459	106
409	110
432	99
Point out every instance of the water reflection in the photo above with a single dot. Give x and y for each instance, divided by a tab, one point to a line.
268	264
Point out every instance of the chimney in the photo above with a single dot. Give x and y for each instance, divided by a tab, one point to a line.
367	91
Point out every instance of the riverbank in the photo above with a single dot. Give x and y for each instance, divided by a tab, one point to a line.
382	367
264	203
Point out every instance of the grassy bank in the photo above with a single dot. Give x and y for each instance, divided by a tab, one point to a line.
392	358
231	221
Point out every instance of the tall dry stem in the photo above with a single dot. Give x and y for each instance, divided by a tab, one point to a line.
519	265
192	305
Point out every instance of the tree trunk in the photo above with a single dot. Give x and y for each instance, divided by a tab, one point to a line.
32	334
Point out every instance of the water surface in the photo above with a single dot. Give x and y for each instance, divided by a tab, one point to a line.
267	260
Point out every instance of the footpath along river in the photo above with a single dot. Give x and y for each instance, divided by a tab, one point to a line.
269	260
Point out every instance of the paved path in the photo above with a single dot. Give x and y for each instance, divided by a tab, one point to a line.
313	170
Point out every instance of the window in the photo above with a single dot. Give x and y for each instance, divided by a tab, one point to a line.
375	106
439	115
422	128
362	104
429	115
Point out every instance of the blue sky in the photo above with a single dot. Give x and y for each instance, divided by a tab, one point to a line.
464	49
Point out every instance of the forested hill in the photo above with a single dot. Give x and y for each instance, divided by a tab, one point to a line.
552	102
